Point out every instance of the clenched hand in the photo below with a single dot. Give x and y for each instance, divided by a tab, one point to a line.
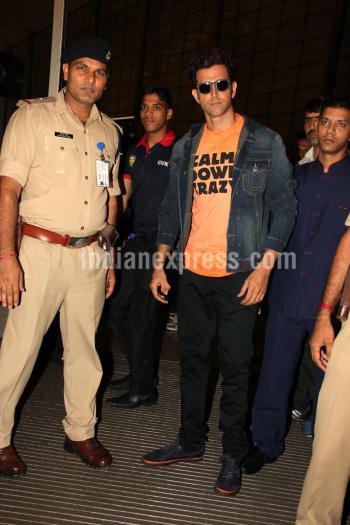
11	282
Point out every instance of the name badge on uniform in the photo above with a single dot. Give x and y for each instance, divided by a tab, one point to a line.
102	173
102	169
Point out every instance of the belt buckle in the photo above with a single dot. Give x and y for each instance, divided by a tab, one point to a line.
77	242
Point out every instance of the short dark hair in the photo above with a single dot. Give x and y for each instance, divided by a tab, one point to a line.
213	56
162	92
336	102
314	105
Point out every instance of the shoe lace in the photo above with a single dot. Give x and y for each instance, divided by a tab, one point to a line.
230	469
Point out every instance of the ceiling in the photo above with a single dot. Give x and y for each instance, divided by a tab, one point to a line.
26	18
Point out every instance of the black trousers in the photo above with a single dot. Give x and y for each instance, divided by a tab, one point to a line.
208	307
133	314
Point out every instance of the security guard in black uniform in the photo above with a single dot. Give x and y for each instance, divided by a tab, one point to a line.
133	312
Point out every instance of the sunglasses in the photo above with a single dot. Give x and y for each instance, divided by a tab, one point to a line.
221	85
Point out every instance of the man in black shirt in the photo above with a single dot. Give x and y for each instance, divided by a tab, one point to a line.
133	312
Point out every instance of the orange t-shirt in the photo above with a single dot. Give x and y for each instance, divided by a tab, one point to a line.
206	249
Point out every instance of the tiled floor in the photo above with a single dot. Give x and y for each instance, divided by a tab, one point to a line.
59	489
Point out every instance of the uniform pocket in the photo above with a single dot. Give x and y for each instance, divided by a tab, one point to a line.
60	155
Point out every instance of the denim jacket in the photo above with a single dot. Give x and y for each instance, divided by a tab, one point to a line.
263	205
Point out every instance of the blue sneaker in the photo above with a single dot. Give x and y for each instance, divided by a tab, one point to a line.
172	453
229	478
307	428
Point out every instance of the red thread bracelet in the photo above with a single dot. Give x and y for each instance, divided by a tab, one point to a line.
326	306
10	254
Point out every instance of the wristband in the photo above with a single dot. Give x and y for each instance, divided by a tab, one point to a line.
9	254
326	306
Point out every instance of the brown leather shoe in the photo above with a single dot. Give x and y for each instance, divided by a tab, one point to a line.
10	463
90	451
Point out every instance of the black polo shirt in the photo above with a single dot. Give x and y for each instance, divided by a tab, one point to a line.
148	168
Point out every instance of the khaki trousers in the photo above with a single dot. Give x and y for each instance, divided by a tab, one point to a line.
326	480
73	282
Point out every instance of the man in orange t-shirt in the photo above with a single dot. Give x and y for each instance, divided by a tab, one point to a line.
212	189
230	197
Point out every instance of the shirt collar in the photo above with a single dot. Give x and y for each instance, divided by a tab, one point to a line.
62	107
340	164
166	141
308	157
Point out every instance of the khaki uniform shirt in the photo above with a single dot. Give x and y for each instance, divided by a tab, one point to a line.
48	150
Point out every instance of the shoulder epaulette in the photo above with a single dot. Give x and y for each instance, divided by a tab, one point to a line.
119	128
41	100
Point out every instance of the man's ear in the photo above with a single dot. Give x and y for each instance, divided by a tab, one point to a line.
169	113
65	68
195	95
234	89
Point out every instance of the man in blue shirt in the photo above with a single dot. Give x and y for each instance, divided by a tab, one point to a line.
324	203
303	406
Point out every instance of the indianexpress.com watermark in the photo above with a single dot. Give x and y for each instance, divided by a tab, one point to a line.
178	261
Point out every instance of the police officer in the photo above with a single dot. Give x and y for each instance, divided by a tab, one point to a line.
58	170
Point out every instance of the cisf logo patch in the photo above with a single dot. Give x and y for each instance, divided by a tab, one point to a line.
132	159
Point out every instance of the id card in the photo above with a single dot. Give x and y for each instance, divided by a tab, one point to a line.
102	174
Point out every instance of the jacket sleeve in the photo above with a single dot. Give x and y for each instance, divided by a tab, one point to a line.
170	213
280	198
